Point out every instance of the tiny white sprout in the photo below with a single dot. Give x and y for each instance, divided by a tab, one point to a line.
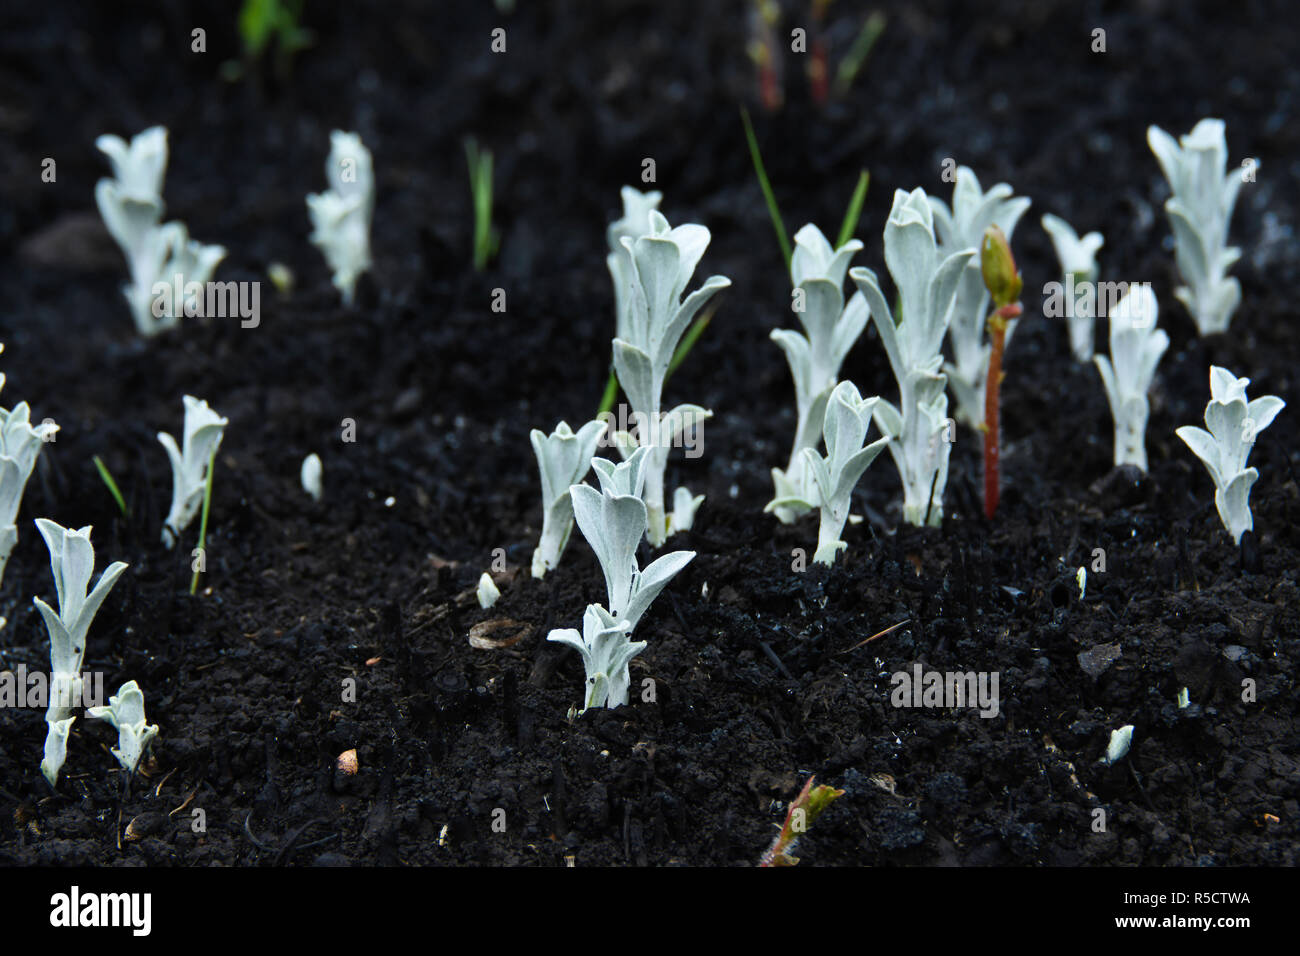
704	590
684	507
202	436
72	561
1204	194
125	711
1233	422
20	445
1078	258
340	217
1081	579
606	651
161	258
1136	346
56	748
634	224
1119	744
310	476
1184	699
487	591
563	460
613	521
844	429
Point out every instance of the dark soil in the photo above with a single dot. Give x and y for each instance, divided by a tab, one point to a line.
762	681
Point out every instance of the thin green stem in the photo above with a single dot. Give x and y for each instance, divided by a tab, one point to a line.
854	212
480	186
611	393
203	522
113	490
782	237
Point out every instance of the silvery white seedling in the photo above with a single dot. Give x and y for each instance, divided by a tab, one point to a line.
606	651
563	458
613	520
309	476
125	711
341	216
1118	747
847	418
831	326
20	444
72	561
1233	422
963	227
662	263
1136	346
1200	209
1078	258
202	437
487	591
634	224
159	257
927	284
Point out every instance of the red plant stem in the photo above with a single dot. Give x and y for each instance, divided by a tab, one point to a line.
992	387
817	73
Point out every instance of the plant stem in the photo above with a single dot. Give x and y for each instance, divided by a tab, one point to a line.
113	490
611	393
203	522
997	326
782	237
854	212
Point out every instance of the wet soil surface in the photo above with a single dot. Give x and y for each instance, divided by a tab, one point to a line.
759	671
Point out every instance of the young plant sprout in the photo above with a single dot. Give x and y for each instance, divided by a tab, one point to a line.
959	228
20	444
847	418
340	217
72	560
1001	278
480	188
606	652
163	261
831	326
634	224
563	459
927	284
1136	346
487	591
202	437
1232	421
613	520
804	809
662	263
1078	258
309	476
125	711
1199	211
1120	741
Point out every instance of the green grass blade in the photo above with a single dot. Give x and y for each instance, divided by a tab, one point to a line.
782	237
113	490
611	393
854	212
857	55
689	339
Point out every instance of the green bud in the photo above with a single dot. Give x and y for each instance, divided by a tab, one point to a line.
998	267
